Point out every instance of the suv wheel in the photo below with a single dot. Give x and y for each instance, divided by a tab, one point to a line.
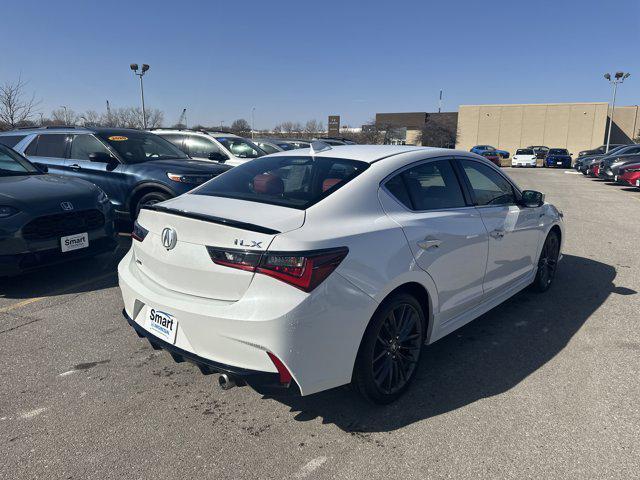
390	350
150	198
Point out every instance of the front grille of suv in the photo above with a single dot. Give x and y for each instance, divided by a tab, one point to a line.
62	224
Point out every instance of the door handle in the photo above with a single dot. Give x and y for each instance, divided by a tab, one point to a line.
428	243
497	234
75	166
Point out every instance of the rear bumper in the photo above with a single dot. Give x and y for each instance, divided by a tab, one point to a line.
315	335
265	383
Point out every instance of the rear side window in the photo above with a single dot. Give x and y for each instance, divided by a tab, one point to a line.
268	148
429	186
488	186
11	140
53	145
296	182
201	147
176	139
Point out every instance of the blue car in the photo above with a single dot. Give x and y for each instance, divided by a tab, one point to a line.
480	149
557	157
134	168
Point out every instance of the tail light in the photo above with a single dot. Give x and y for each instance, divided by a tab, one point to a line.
139	232
303	270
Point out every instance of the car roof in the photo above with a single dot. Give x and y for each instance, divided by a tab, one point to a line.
371	153
76	130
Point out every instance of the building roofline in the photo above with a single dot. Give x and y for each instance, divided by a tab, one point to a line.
530	104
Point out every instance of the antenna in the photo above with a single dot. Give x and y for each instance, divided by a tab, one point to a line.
318	146
440	102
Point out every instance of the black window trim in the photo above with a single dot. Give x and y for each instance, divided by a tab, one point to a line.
452	161
516	191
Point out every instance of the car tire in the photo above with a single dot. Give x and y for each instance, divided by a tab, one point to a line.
547	263
150	198
390	350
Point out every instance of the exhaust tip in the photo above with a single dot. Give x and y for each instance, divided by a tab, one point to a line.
226	382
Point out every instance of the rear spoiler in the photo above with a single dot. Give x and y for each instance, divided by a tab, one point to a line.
212	219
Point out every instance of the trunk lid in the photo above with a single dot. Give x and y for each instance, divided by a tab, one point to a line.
200	221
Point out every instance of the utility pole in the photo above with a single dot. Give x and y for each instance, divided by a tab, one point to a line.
440	102
253	111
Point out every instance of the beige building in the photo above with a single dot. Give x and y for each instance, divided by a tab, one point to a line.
575	126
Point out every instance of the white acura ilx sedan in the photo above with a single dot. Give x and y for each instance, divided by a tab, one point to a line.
309	269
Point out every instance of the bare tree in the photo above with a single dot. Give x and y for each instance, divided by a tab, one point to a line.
241	127
155	117
64	116
131	117
313	128
16	106
91	118
437	134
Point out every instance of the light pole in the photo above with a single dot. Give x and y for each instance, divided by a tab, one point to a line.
66	116
618	77
253	111
134	68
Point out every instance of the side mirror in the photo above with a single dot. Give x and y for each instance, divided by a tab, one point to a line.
101	157
532	198
218	157
41	166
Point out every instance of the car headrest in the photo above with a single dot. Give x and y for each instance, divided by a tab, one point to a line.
330	182
268	184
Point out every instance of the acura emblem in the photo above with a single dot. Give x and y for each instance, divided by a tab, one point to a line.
67	206
169	238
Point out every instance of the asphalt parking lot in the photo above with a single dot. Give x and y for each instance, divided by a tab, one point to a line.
544	386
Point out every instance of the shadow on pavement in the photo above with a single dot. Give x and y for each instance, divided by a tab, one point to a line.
486	357
77	276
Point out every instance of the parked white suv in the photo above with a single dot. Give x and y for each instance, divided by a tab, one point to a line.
524	157
305	270
215	146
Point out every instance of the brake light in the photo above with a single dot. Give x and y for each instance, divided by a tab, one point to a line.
139	232
303	270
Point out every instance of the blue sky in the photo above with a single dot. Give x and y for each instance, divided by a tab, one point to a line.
303	60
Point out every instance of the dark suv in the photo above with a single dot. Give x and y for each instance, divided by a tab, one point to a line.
133	167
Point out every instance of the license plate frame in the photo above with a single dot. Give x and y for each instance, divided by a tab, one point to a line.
74	242
162	324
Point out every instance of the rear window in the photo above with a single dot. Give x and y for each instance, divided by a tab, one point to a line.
558	151
295	182
524	151
11	140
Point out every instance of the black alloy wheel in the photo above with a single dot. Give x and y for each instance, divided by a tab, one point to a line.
548	262
390	350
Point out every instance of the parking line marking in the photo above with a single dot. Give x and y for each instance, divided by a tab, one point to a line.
310	467
32	413
29	301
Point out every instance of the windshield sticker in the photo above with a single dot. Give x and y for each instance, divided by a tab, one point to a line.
118	138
